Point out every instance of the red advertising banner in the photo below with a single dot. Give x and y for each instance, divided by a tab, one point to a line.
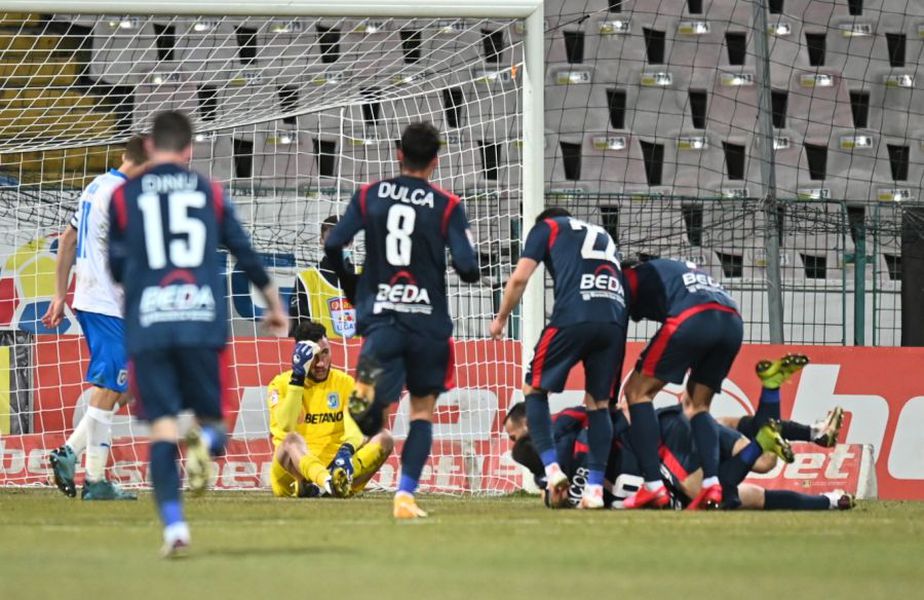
877	387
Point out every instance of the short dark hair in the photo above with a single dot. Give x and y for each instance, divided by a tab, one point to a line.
329	223
135	152
516	413
551	213
420	143
311	331
172	131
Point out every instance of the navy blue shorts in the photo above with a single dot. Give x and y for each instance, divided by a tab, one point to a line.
105	337
424	364
704	340
601	347
168	381
727	439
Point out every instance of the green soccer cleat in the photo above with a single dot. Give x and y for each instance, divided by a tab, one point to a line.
771	440
826	431
104	490
63	467
775	373
198	462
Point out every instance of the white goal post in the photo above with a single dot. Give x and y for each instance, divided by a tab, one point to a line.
49	149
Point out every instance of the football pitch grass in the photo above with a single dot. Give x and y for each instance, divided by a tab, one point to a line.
249	545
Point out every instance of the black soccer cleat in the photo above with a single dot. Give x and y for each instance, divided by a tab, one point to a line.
362	405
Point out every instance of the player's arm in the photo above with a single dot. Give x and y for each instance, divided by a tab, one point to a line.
291	403
235	239
534	251
340	236
459	238
67	252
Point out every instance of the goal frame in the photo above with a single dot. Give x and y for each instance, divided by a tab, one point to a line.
533	82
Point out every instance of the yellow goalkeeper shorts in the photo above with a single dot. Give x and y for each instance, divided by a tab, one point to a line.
282	482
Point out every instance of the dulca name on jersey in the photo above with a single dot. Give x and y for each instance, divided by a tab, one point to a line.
400	193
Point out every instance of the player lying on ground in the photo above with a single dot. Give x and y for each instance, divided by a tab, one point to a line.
701	333
588	325
98	306
319	448
679	464
400	297
773	374
166	227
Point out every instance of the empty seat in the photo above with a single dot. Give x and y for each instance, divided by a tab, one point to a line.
613	158
277	162
818	101
732	107
206	50
569	91
123	55
213	155
155	96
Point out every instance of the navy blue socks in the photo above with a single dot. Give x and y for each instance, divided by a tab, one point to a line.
768	407
785	500
165	476
539	421
415	453
599	439
645	435
706	436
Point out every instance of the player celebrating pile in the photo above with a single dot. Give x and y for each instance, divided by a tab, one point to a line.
701	332
588	325
325	453
400	298
167	225
98	307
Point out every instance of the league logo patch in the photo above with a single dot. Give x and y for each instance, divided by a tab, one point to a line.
342	317
123	377
333	400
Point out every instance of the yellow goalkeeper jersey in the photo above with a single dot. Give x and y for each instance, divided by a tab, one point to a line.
324	419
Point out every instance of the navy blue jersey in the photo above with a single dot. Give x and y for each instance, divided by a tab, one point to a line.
581	258
663	288
408	223
166	228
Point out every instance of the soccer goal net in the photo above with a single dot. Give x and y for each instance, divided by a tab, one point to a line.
293	112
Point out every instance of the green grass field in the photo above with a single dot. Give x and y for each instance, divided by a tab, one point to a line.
250	545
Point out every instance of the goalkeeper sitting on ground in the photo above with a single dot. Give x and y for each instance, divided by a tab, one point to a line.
319	448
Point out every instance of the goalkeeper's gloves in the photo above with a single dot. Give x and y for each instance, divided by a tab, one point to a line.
344	460
303	355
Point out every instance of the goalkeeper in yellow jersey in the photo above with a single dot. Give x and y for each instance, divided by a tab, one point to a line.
319	448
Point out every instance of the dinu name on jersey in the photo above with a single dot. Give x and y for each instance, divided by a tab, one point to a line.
415	196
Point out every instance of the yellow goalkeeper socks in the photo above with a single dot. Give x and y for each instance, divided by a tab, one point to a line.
313	469
368	460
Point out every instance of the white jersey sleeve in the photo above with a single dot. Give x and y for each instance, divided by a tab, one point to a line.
95	291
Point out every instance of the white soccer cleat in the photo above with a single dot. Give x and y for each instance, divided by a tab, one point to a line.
555	477
841	500
592	497
176	541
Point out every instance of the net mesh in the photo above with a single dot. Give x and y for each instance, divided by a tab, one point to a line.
292	115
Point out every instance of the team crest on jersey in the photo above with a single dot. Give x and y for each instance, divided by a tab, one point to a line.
342	317
333	400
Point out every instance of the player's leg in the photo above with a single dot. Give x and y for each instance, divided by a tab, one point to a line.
108	372
202	376
662	361
156	386
430	371
757	498
380	375
370	457
602	370
557	351
715	337
305	467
